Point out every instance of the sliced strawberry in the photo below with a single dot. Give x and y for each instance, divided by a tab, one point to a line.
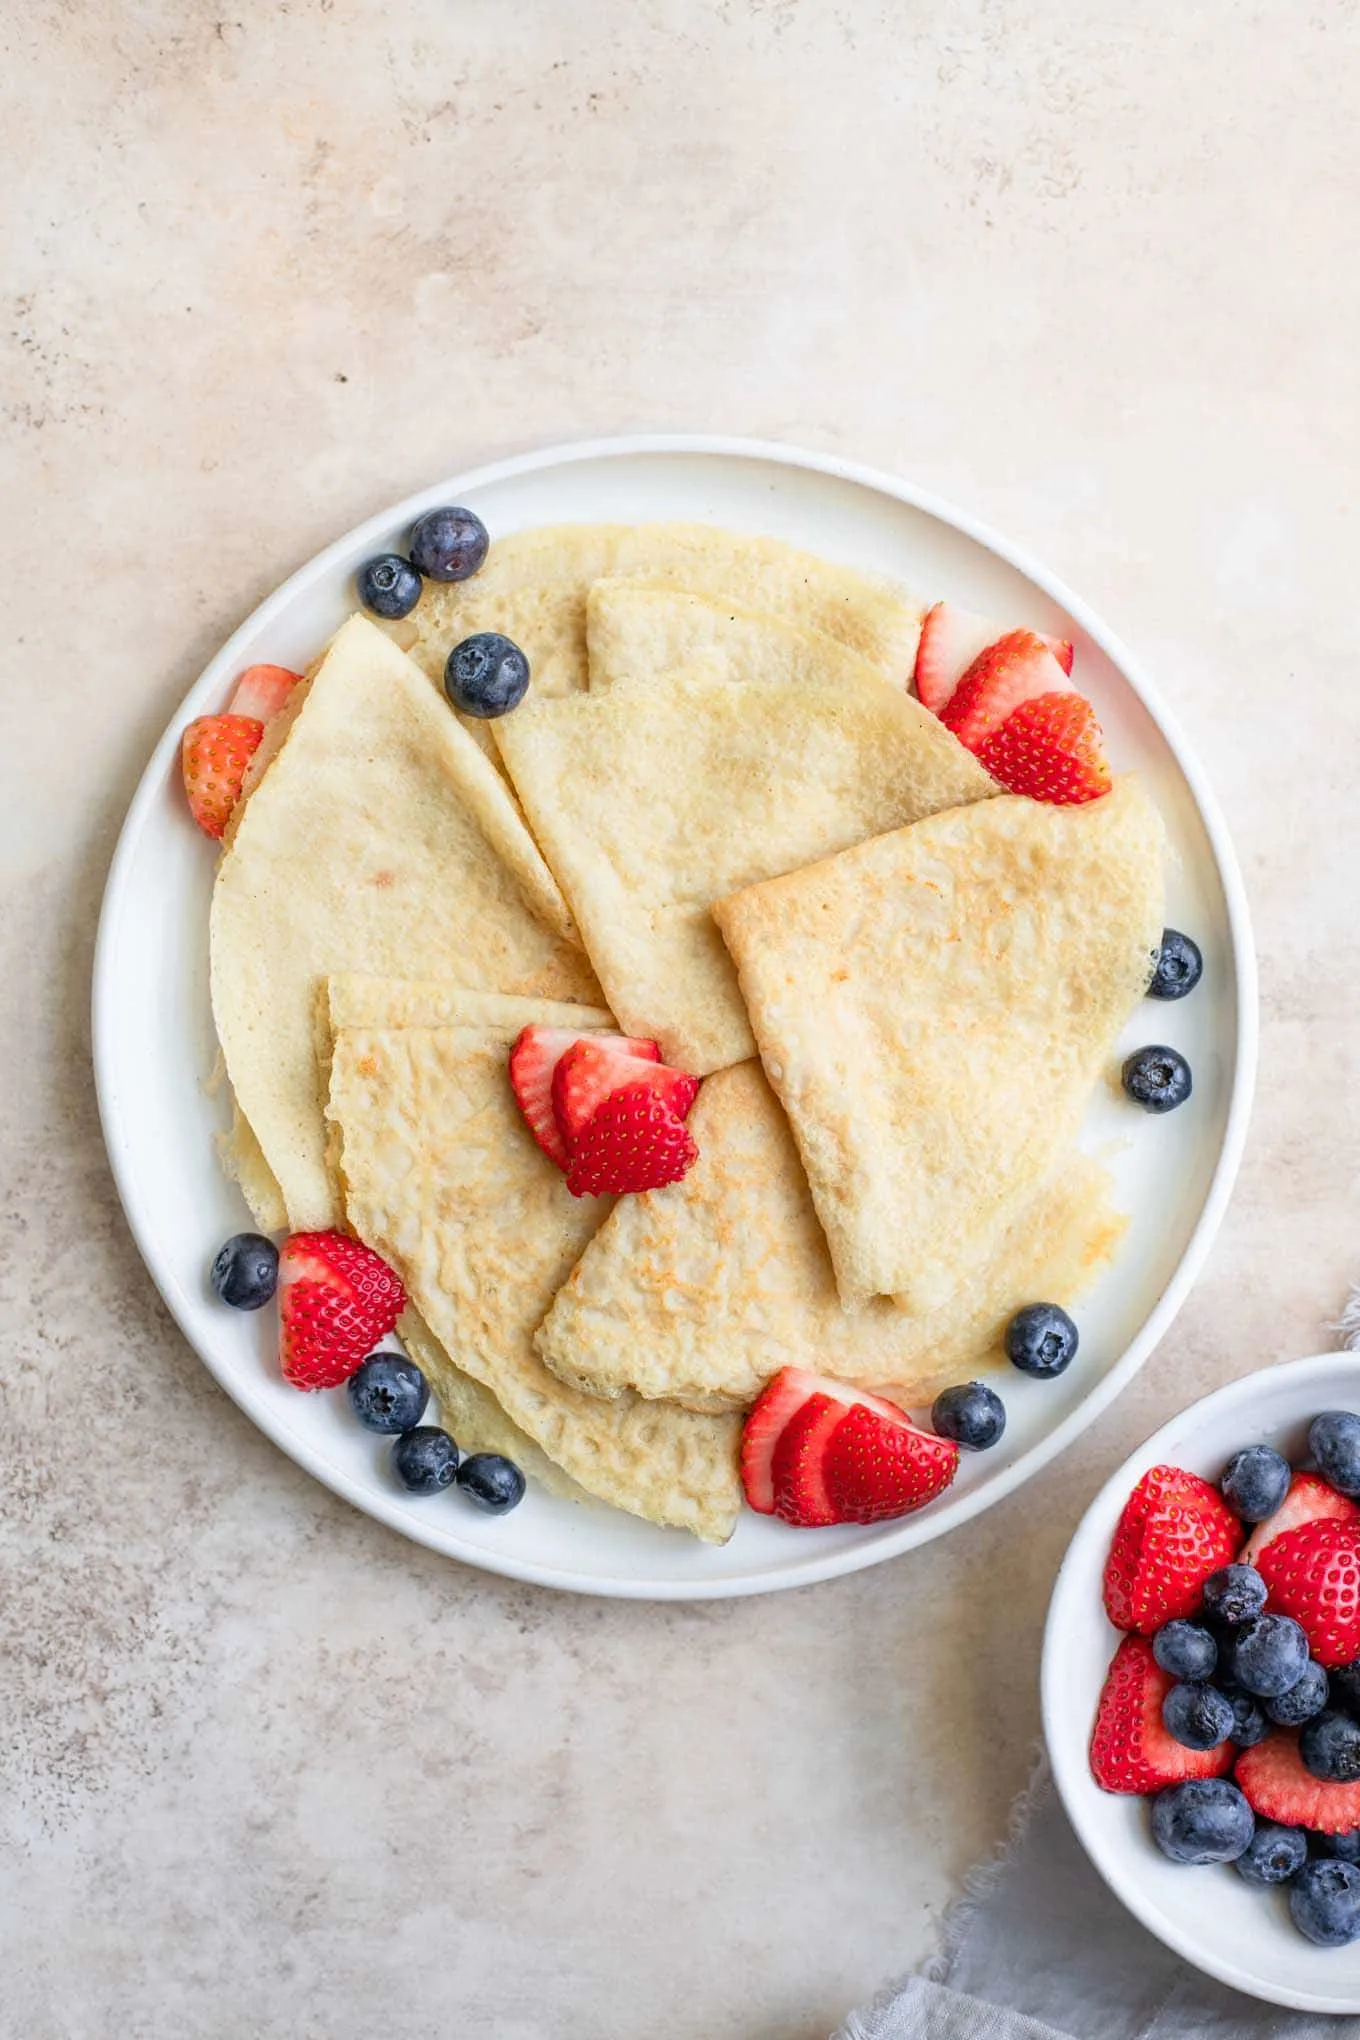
1313	1574
1018	667
261	691
1277	1787
533	1059
589	1073
1050	748
1309	1500
779	1400
634	1142
1174	1531
876	1468
800	1490
951	639
337	1299
1131	1749
213	758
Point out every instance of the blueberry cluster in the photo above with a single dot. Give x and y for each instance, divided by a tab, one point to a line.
487	674
1158	1078
388	1394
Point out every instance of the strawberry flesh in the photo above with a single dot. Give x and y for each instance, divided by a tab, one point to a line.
589	1073
633	1142
1017	668
214	754
534	1057
262	691
778	1402
1279	1788
1313	1574
337	1299
1309	1500
1050	749
876	1470
1174	1531
1131	1748
951	639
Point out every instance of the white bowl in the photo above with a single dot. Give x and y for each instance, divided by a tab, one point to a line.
1222	1925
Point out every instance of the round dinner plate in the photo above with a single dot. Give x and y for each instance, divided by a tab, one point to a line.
155	1049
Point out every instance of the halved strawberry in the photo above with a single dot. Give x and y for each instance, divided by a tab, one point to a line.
778	1402
337	1299
214	754
1174	1531
633	1142
876	1468
589	1073
1313	1574
1018	667
533	1059
1050	748
800	1490
951	638
1277	1787
1131	1749
1309	1500
261	691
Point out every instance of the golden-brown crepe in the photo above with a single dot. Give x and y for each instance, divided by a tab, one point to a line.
933	1009
646	631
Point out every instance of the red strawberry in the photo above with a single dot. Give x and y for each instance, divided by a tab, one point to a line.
875	1469
634	1142
1018	667
1309	1500
337	1299
1313	1574
778	1403
798	1467
1175	1530
213	757
1050	749
533	1059
262	690
1131	1750
588	1074
951	639
1277	1787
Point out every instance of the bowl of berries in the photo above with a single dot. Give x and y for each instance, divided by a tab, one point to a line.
1201	1684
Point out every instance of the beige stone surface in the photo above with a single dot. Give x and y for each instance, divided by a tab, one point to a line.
1086	269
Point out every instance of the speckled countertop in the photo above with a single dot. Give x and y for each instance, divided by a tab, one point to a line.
1087	270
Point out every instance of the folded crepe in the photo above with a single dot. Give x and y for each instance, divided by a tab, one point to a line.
379	839
443	1179
703	1291
645	631
652	802
933	1009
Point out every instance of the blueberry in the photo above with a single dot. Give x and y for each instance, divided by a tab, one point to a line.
1324	1902
1268	1656
1041	1340
1205	1820
1274	1854
388	585
1345	1847
1249	1722
1305	1698
494	1483
1255	1481
448	544
425	1460
245	1273
1334	1441
1186	1650
388	1393
973	1415
1234	1593
1329	1747
1157	1078
1197	1716
1179	966
1345	1681
487	675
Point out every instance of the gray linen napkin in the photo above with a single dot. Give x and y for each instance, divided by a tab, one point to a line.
1039	1949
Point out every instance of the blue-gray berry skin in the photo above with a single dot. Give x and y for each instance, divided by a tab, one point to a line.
389	586
1179	966
1346	1846
1345	1682
1329	1747
1041	1340
1255	1481
245	1272
1307	1697
448	544
1324	1902
1197	1716
1334	1441
1267	1656
1157	1078
425	1460
1274	1854
486	675
1234	1594
493	1482
1186	1650
388	1393
1250	1725
1205	1820
972	1414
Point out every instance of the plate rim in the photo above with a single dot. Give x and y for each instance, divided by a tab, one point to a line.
914	1531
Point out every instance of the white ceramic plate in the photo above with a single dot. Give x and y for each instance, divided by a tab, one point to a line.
154	1044
1240	1935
